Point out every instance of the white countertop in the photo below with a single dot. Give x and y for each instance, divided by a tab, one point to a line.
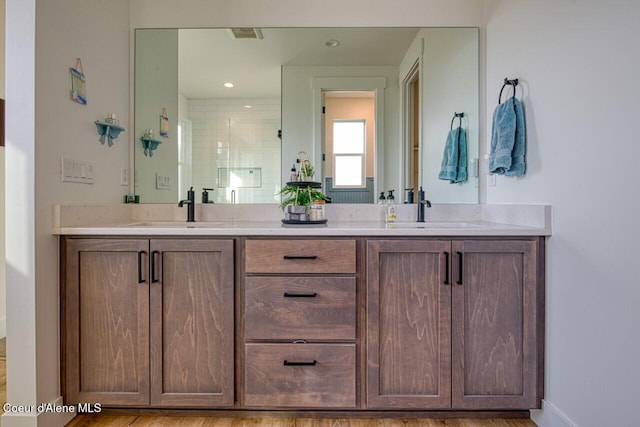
276	228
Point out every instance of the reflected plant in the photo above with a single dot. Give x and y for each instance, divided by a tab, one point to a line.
300	196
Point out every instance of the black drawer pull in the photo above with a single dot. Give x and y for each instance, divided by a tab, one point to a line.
140	278
292	295
153	267
300	257
287	363
446	268
459	282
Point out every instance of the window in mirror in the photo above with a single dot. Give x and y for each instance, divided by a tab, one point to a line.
349	152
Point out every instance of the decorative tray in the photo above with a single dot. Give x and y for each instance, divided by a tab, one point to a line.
312	184
309	222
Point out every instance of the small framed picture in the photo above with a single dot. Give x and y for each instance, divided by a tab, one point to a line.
164	124
78	83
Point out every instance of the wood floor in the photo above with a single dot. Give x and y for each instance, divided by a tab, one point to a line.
144	421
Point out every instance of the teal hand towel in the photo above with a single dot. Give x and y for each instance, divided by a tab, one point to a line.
507	156
461	175
454	159
518	165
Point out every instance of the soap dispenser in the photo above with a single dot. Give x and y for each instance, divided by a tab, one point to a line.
382	200
392	209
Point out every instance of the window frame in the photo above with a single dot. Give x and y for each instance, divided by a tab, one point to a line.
363	155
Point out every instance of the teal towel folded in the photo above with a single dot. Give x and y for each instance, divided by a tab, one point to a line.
454	160
507	155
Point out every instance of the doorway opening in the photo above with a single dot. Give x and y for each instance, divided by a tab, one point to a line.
411	125
348	145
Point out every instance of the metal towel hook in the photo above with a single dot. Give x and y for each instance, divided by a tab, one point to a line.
510	82
458	115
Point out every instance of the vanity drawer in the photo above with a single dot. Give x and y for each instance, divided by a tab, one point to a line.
300	375
290	308
300	256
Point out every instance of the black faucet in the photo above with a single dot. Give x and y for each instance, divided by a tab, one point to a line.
421	204
191	205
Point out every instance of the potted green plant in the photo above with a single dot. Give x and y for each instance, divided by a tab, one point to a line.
297	195
298	198
306	171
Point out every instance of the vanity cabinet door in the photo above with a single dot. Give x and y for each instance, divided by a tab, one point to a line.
408	324
497	325
192	338
105	297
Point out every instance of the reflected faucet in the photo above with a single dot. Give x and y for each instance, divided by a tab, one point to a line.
421	205
191	205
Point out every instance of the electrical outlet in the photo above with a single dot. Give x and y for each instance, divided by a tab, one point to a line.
163	182
491	180
124	176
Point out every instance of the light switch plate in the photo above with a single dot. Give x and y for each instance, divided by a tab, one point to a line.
72	170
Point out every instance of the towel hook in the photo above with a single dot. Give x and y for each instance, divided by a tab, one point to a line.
510	82
458	115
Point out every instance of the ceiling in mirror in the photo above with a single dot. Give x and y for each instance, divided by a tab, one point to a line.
208	58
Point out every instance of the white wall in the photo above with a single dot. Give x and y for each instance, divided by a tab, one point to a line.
305	13
449	84
156	87
298	117
44	38
579	63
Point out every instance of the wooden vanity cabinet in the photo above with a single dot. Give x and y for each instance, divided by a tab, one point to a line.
454	324
497	324
300	324
148	322
368	323
408	324
105	320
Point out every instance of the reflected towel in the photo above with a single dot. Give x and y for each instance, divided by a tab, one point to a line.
508	139
454	159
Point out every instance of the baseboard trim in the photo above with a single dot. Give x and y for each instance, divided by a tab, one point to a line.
551	416
34	419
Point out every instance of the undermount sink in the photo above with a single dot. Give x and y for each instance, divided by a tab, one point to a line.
176	224
432	224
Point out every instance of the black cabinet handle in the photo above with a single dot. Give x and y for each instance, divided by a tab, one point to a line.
287	363
153	267
446	268
140	278
300	257
459	282
292	295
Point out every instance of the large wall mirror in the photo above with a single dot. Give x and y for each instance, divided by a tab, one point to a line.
231	110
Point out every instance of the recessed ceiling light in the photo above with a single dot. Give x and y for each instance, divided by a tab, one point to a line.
332	43
248	106
228	84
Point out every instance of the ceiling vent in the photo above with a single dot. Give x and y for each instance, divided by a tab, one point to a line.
246	33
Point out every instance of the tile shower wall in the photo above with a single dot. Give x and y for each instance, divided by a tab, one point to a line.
228	136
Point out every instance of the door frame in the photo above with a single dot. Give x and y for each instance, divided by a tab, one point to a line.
374	84
407	102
